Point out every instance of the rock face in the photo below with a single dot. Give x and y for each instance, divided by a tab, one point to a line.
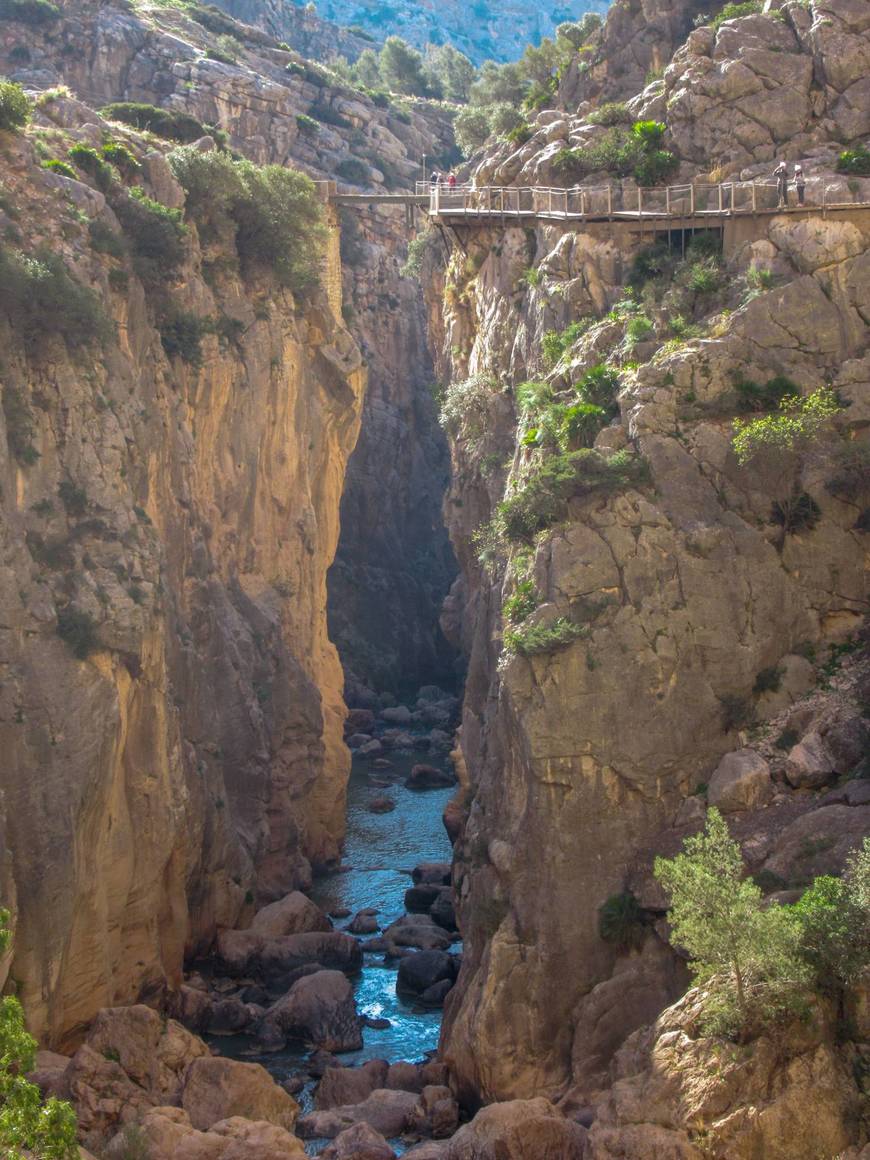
670	598
516	1130
319	1009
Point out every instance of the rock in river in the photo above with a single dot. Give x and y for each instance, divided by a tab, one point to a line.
319	1009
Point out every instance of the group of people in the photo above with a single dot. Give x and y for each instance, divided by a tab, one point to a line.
782	180
439	179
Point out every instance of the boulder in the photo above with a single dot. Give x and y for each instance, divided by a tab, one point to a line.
418	899
399	715
229	1017
435	995
358	740
741	781
443	911
809	764
359	721
318	1009
429	777
293	914
432	872
49	1073
246	952
416	930
388	1112
191	1007
371	748
423	970
428	1150
405	1077
350	1085
848	741
167	1134
360	1142
519	1130
364	922
436	1113
382	804
216	1089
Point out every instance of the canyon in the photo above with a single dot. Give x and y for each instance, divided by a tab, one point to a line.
261	528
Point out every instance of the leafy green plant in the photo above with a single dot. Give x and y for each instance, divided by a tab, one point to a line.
89	161
521	603
855	161
55	165
766	396
14	106
157	234
78	630
556	343
124	160
637	330
19	425
104	240
29	1126
465	406
533	639
32	12
168	123
40	298
307	124
181	334
611	113
623	152
798	421
746	953
353	171
621	922
834	918
732	12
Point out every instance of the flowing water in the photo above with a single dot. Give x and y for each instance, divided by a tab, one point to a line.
380	852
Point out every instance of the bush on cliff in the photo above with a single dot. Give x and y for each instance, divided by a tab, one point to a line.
40	298
636	152
855	161
272	213
157	234
167	123
14	106
32	12
533	639
29	1125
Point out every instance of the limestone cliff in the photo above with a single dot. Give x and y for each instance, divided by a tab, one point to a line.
171	703
620	620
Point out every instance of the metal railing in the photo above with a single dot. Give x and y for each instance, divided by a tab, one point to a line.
613	201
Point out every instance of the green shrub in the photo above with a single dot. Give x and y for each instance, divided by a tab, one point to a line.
19	425
621	922
353	171
32	12
14	106
533	639
611	113
542	500
78	630
156	233
797	512
835	925
637	330
635	152
307	124
797	422
168	123
329	116
89	161
40	298
732	12
755	396
55	165
555	343
104	240
417	247
600	386
117	154
521	603
579	425
855	161
705	277
465	406
273	212
181	334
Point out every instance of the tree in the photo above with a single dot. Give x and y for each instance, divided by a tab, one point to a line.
401	68
747	955
367	70
472	129
789	432
46	1129
498	82
452	70
14	106
835	927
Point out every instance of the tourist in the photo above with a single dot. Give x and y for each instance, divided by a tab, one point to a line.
451	181
781	175
800	183
435	179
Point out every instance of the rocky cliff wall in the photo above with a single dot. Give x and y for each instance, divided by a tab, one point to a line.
171	703
648	604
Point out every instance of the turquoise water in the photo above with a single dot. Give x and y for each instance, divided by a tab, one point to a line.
380	852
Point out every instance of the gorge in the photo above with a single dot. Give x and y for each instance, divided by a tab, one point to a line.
321	522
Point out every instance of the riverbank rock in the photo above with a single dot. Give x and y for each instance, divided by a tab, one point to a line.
319	1009
361	1142
364	922
217	1089
388	1112
248	953
350	1085
415	930
293	914
429	777
741	781
438	873
383	804
436	1113
519	1130
420	973
168	1134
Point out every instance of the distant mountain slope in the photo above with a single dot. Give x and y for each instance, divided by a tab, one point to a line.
483	30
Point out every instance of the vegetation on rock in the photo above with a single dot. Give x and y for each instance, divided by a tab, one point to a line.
40	297
14	106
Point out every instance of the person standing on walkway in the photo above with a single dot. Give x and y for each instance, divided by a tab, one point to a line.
800	183
435	178
781	175
451	181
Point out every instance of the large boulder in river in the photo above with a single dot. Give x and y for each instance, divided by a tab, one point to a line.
293	914
419	972
245	952
169	1135
319	1009
518	1130
429	777
416	930
360	1142
350	1085
438	873
216	1089
388	1112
